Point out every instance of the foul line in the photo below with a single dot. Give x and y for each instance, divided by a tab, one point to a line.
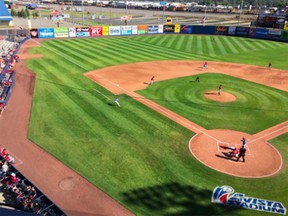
268	134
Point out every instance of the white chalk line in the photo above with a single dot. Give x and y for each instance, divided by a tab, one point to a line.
265	135
228	173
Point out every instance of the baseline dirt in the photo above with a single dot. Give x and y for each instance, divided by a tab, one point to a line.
210	147
71	192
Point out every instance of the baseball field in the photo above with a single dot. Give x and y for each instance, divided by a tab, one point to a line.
137	155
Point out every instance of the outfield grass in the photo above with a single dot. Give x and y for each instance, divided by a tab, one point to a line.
134	154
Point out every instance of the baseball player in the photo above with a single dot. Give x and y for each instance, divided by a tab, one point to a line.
205	66
116	101
152	80
219	90
242	154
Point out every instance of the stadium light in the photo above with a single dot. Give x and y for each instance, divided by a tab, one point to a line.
82	12
72	12
163	13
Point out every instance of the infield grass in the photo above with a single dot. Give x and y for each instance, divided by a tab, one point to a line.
134	154
256	107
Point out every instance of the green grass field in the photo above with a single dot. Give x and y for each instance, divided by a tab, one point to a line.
134	154
257	107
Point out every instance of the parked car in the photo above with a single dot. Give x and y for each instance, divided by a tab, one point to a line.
31	6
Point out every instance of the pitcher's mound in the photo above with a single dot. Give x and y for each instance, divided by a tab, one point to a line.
261	159
224	97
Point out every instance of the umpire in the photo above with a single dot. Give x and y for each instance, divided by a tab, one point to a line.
242	153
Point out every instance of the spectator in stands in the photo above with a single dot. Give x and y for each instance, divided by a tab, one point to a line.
4	169
9	158
2	108
13	178
3	152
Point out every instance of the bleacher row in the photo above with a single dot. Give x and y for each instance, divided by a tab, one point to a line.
8	59
23	195
15	186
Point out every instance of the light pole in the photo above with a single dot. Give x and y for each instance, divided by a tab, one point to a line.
240	12
163	13
82	13
39	12
204	18
72	12
101	13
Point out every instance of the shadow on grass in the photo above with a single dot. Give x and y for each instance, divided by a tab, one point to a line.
175	199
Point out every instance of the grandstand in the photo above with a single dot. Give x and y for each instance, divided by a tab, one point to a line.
13	185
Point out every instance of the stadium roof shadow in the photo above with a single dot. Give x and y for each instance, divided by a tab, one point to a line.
176	199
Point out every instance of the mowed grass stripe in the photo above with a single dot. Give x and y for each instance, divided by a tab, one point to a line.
260	45
82	99
229	43
172	42
240	45
178	42
199	48
210	46
73	55
182	53
189	46
173	54
73	48
225	45
162	40
61	52
219	46
249	45
145	52
109	56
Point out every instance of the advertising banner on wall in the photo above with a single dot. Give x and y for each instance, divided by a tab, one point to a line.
126	30
221	30
169	28
284	35
186	29
261	33
204	30
72	32
96	31
61	32
45	32
114	30
160	28
252	32
105	30
242	31
142	29
134	29
82	32
34	33
231	30
274	33
177	28
153	29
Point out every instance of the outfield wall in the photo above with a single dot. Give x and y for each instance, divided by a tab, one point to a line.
99	31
